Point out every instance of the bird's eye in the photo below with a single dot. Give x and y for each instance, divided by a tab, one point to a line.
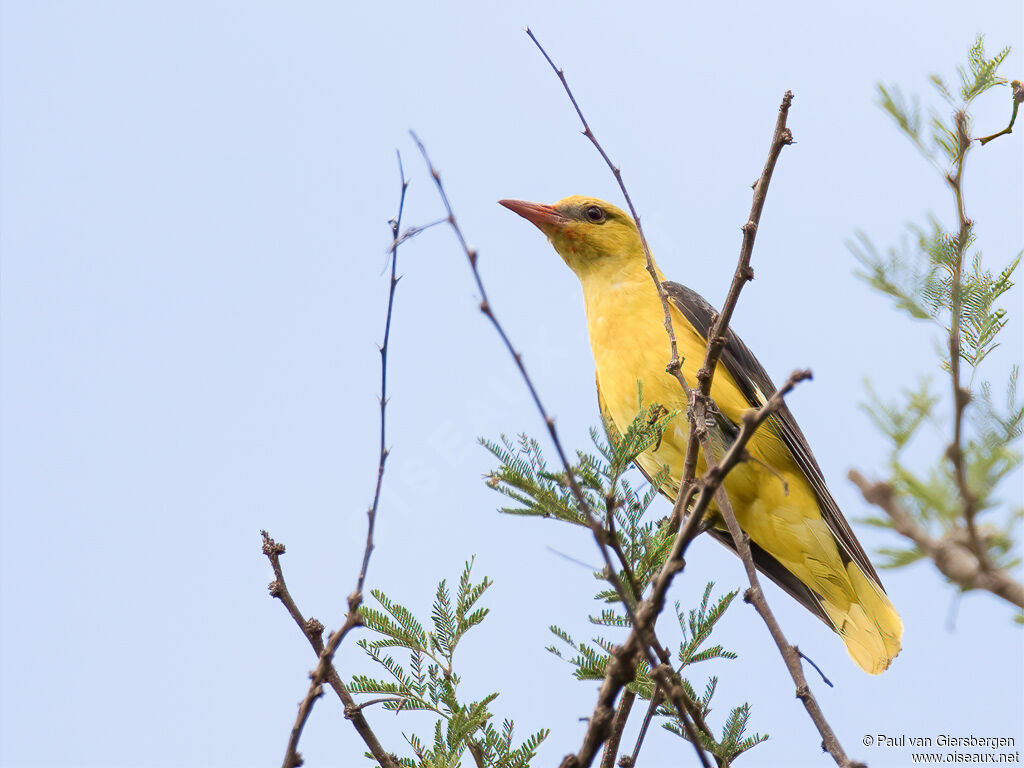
594	214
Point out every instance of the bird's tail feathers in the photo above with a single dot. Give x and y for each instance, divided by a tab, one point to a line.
866	621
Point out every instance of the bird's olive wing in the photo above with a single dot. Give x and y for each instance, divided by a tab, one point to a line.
764	562
757	387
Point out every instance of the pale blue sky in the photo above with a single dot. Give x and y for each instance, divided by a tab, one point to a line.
193	221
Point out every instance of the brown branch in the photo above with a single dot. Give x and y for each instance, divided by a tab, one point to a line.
952	555
790	653
700	409
961	395
652	707
313	630
719	333
611	746
485	307
621	668
325	670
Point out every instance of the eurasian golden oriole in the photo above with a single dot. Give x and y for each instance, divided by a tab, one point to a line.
799	537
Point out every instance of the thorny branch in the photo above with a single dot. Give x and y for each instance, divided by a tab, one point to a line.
790	653
698	434
313	630
325	670
755	596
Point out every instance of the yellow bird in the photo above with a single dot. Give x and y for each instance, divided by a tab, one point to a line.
800	539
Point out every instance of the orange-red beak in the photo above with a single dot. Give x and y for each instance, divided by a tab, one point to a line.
544	217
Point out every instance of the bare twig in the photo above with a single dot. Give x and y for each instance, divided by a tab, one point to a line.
699	410
325	665
952	555
674	367
649	609
717	339
313	630
675	364
485	307
718	336
755	595
382	700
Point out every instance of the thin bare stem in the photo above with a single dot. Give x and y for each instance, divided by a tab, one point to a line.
647	612
485	307
652	707
325	664
313	630
719	334
675	364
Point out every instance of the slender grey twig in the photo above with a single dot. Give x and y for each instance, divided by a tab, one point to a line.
325	665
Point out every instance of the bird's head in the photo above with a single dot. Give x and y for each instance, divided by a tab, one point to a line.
590	235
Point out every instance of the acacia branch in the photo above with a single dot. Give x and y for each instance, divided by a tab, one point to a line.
325	671
701	405
961	395
717	339
611	746
603	713
952	555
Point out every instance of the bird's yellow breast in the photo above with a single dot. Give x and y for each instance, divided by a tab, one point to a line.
627	337
625	320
